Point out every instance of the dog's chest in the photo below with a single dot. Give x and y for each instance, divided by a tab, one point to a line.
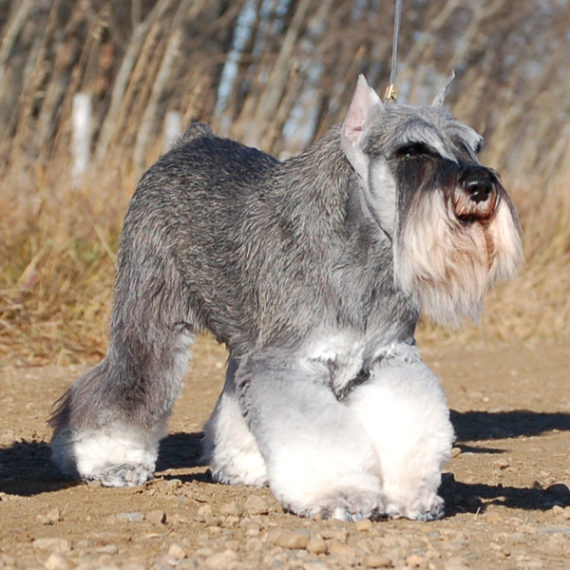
347	353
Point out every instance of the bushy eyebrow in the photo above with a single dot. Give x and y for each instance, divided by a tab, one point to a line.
466	137
421	132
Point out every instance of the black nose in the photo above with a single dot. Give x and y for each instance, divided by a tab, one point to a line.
479	183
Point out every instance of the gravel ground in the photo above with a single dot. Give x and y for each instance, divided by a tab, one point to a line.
506	487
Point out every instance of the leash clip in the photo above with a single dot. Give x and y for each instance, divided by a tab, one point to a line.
391	93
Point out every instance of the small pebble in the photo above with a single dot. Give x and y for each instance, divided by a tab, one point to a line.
53	544
292	539
339	534
50	517
248	522
316	545
502	463
56	561
204	513
377	561
255	505
336	547
221	560
130	517
205	510
414	561
253	531
231	509
254	545
176	551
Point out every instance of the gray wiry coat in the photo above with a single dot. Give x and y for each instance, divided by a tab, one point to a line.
312	271
263	251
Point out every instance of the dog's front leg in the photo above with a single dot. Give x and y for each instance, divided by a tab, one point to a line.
228	445
402	407
319	459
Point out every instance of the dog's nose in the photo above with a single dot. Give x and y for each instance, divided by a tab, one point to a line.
478	183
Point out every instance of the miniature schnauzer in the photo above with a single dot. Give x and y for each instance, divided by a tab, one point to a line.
313	272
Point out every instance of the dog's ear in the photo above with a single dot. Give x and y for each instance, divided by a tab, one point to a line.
439	100
354	127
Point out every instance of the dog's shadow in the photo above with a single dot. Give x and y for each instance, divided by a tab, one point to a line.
479	426
26	469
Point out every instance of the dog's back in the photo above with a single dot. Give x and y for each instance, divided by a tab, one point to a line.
189	215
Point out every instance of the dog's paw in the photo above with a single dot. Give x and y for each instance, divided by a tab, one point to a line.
125	475
351	506
250	478
116	457
344	504
427	510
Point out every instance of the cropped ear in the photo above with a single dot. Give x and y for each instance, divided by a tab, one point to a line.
439	100
363	101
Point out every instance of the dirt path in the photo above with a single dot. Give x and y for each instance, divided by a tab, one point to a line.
506	490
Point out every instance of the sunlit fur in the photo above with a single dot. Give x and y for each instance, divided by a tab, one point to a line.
313	272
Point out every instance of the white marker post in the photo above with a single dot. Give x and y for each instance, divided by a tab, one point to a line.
80	136
172	128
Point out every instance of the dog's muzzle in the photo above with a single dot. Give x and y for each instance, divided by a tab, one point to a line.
476	193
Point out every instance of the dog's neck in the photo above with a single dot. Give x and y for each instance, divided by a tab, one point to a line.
319	185
320	195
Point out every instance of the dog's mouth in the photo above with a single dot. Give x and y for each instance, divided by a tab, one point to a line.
476	195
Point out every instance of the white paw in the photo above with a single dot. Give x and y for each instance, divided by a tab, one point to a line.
116	456
346	504
125	475
429	509
344	496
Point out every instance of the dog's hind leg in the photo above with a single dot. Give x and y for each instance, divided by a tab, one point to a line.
109	423
402	407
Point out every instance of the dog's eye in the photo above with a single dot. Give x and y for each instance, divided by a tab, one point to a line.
414	150
478	146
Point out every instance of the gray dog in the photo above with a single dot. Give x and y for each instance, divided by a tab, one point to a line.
313	272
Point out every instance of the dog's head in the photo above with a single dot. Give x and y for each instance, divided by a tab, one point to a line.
453	226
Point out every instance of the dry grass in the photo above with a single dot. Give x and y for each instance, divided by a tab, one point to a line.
58	244
58	250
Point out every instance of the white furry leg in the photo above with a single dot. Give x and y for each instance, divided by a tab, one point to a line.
403	409
319	458
117	455
228	445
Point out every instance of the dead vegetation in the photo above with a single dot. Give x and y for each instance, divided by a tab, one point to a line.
275	74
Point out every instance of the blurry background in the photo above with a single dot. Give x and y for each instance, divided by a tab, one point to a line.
274	74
